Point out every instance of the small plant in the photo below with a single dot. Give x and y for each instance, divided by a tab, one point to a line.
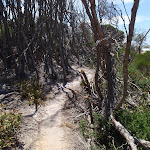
81	83
9	125
84	126
32	90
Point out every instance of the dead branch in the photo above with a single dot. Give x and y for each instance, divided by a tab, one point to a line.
85	82
139	47
143	143
7	95
127	52
125	9
131	103
121	15
130	139
122	130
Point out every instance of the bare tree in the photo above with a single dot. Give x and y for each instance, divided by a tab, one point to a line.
36	32
127	52
104	59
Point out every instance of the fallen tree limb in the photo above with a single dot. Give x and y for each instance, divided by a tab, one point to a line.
130	139
118	126
143	143
131	103
7	95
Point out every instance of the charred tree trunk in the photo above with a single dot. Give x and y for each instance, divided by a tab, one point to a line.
103	54
61	50
10	54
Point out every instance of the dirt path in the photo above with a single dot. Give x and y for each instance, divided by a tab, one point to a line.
48	128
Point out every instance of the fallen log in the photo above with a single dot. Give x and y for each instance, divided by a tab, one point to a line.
130	139
119	127
143	143
7	95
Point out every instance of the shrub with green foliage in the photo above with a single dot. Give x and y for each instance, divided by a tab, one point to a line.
137	122
32	90
123	49
9	124
102	132
139	70
142	63
84	127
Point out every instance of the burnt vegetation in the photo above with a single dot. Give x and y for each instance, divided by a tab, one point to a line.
44	38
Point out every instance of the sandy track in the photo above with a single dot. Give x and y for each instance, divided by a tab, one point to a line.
46	129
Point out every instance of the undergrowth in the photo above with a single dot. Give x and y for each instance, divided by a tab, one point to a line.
139	71
103	133
136	122
106	137
9	125
32	90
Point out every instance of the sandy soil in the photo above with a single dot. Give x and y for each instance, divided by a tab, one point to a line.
49	128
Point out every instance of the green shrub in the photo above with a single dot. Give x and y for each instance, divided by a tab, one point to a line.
139	71
137	122
9	124
102	132
32	90
84	127
142	63
123	49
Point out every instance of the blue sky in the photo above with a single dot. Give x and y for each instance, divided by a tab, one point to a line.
143	15
142	23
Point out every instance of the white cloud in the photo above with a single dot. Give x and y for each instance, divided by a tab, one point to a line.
125	1
121	22
142	19
139	19
128	1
